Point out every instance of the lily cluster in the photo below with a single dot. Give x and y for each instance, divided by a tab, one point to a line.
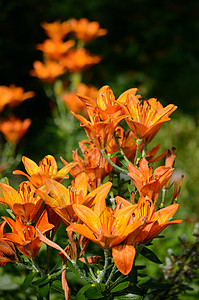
111	158
66	56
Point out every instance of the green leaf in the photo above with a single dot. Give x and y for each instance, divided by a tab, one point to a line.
120	286
113	154
122	160
80	294
56	285
72	268
93	293
150	255
44	290
42	280
29	278
128	296
4	180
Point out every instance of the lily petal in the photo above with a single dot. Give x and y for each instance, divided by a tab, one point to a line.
123	256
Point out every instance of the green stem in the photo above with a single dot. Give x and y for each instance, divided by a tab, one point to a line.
36	267
90	270
121	150
118	183
164	191
103	273
139	141
111	275
55	267
54	275
47	258
116	281
103	151
144	151
81	273
23	266
76	79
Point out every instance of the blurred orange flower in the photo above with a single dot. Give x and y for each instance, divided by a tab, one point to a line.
145	117
13	96
61	199
76	60
48	71
14	129
147	182
55	49
57	30
24	202
47	168
86	30
7	249
87	90
73	102
25	237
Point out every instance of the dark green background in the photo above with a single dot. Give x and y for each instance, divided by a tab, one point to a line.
150	43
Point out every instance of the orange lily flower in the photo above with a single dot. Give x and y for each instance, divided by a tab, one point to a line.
145	117
76	60
13	96
47	72
25	237
150	156
169	162
14	129
87	31
93	164
105	105
7	249
99	132
24	202
47	168
54	219
57	30
55	49
61	199
155	221
106	228
126	141
147	182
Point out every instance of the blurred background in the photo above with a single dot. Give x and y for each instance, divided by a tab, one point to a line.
152	45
